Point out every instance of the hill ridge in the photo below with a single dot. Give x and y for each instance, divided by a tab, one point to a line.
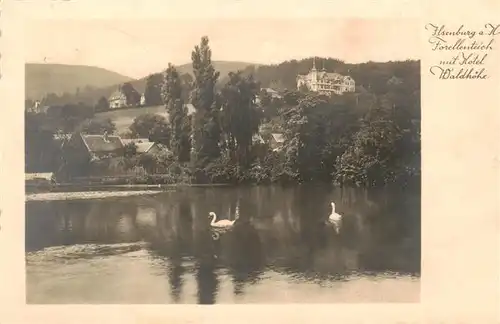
44	78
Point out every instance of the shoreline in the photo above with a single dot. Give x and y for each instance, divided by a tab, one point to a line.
85	195
83	186
89	186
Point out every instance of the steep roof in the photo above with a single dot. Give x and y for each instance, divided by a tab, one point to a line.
330	75
102	143
134	140
143	145
278	137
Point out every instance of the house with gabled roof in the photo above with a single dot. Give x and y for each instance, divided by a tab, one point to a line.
101	146
276	141
81	149
118	99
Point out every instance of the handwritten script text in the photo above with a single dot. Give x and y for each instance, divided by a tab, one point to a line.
468	50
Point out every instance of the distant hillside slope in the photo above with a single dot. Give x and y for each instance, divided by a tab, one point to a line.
91	96
42	79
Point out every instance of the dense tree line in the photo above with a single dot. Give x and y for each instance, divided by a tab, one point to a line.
42	151
371	76
370	137
152	94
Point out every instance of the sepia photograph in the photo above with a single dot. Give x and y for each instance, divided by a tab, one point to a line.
248	161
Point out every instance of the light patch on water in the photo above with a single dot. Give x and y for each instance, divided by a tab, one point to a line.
79	251
51	196
146	216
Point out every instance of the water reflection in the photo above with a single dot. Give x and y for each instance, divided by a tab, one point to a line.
278	230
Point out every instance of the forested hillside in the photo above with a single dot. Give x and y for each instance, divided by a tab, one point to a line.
43	79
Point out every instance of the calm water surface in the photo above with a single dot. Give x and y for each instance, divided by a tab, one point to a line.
159	248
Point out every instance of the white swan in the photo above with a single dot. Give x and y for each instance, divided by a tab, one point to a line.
335	219
223	223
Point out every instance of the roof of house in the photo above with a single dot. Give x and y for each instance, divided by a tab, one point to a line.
143	145
191	109
117	95
330	75
278	137
134	140
101	144
270	90
326	75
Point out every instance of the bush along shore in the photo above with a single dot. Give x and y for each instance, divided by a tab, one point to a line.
370	137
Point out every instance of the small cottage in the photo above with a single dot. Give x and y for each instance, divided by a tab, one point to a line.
82	149
117	100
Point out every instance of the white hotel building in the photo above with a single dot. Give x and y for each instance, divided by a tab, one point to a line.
326	82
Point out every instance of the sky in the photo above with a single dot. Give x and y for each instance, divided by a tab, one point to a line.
136	48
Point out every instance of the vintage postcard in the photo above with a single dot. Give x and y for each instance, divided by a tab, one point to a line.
335	165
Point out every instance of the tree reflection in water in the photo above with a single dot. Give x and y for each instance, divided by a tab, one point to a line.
278	229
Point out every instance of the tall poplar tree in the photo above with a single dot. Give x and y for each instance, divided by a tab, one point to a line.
206	126
179	123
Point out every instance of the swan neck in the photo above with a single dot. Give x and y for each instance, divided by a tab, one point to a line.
214	218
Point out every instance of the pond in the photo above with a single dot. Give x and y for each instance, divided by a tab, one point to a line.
160	249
